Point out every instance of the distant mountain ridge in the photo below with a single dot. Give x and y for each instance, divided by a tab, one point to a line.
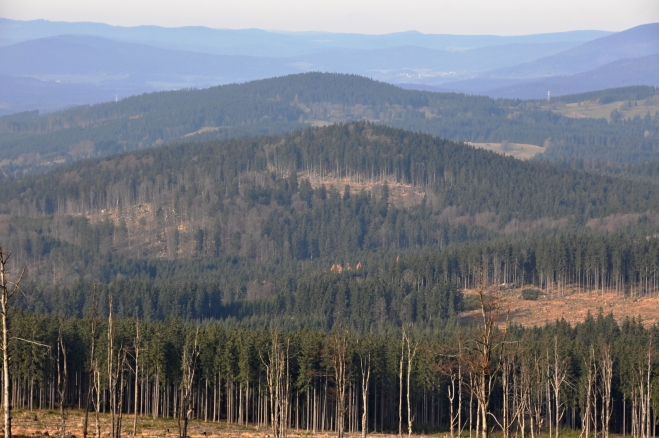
632	43
623	72
78	55
120	62
256	42
618	60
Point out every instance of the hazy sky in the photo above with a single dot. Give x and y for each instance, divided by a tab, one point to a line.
503	17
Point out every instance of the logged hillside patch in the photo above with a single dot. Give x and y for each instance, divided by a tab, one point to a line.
572	305
627	109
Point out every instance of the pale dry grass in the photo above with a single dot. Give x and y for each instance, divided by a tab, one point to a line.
589	109
42	423
572	305
521	151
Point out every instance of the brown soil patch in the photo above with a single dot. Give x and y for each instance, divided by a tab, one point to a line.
400	195
47	424
572	305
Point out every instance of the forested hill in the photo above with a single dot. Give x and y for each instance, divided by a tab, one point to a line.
260	226
30	142
448	174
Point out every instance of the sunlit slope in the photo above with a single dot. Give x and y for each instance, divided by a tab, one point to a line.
32	143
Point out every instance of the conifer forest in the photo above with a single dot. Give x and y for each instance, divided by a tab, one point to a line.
327	254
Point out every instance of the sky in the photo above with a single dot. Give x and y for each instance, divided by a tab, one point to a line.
500	17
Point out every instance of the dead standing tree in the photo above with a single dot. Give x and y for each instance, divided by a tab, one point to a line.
112	377
450	365
92	371
558	379
606	382
278	380
189	365
137	372
339	346
486	353
62	379
411	352
7	290
400	385
116	382
365	367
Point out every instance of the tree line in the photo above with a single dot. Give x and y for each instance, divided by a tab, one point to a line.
361	289
597	377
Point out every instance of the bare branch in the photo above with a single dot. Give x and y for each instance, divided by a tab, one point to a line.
31	342
16	284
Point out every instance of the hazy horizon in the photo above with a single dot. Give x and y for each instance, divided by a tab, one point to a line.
472	17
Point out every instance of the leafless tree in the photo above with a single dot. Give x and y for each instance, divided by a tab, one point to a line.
7	289
137	372
400	381
486	353
116	370
189	365
606	373
411	353
365	366
278	380
112	380
339	345
590	379
92	370
558	379
62	379
450	365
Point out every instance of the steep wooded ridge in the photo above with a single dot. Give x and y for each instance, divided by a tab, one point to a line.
284	225
32	142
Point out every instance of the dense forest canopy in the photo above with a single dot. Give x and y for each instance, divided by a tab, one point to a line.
598	377
31	142
301	260
358	223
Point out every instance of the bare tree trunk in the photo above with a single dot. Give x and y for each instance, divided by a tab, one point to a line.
460	387
111	381
120	375
6	402
277	376
590	381
137	375
607	380
450	388
5	295
506	370
411	352
648	397
400	392
62	380
92	367
97	408
365	363
339	360
559	377
189	363
487	353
